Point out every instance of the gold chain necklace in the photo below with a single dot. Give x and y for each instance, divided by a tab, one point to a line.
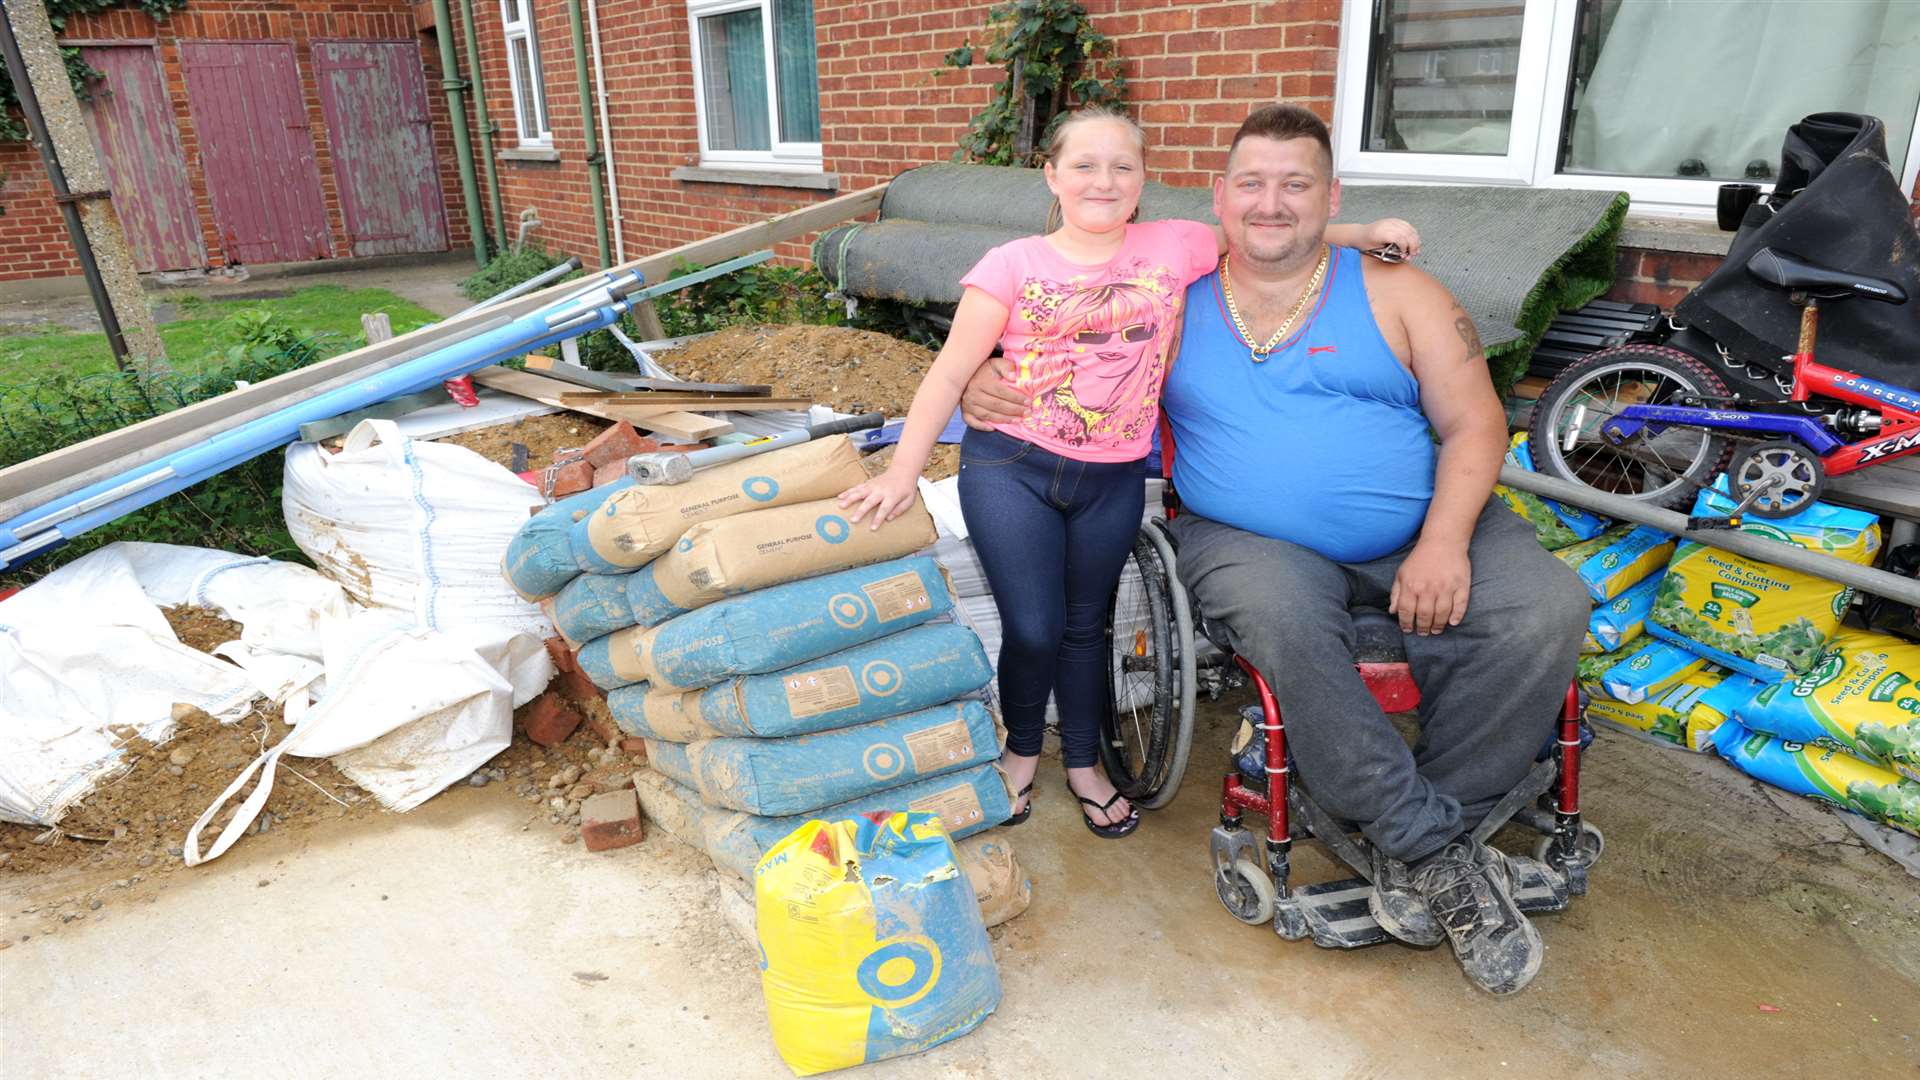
1261	352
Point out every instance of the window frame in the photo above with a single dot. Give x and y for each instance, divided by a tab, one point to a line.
784	156
1532	158
540	124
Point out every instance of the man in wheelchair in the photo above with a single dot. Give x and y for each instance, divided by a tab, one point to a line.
1338	441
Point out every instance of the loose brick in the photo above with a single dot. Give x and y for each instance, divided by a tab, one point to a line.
576	685
600	722
548	719
633	745
608	778
564	659
617	443
572	478
608	473
611	821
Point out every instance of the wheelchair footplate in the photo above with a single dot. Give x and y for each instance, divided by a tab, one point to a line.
1336	916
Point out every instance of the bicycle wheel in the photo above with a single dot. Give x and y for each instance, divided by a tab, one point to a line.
1142	666
1665	469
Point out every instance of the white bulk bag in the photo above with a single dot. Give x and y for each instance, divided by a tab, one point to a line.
416	526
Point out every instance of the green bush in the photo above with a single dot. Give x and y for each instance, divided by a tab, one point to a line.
238	510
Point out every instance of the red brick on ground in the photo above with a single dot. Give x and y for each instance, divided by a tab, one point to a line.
548	719
571	479
616	445
633	745
608	778
611	820
563	657
575	684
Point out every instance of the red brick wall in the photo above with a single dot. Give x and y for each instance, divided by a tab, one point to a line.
33	241
883	108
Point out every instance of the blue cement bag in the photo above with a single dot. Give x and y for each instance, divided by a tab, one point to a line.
966	802
593	606
914	669
1622	618
770	629
773	777
539	559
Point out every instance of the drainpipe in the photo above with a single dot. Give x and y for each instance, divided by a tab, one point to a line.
486	126
595	162
600	85
451	82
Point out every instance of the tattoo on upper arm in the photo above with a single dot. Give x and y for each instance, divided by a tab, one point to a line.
1469	335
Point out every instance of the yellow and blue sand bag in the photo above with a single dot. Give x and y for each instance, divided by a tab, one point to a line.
1648	672
871	942
1618	559
1622	618
1555	525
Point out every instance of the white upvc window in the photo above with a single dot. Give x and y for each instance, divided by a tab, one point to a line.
523	74
756	87
1663	100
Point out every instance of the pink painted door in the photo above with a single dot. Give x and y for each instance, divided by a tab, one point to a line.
374	95
133	131
256	149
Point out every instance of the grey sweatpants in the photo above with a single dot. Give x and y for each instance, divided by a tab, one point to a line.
1490	688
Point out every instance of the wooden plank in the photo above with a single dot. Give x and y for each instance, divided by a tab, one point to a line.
1892	488
676	386
574	373
49	476
668	419
698	402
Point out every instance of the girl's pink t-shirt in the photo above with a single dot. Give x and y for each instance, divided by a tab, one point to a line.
1089	343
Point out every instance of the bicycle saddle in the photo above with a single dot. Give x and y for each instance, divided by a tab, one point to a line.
1789	271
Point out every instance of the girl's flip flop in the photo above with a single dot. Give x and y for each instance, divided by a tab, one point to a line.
1115	830
1025	811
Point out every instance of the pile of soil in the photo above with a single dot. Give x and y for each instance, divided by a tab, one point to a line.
853	371
543	436
138	820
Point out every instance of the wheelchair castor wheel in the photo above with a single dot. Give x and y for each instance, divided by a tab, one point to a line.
1246	890
1587	852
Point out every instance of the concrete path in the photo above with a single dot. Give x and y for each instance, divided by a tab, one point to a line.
1729	933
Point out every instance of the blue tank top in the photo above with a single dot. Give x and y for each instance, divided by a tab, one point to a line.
1323	445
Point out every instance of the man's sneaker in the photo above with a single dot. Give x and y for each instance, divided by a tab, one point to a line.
1397	906
1468	892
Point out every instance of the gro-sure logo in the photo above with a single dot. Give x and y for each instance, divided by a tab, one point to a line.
1829	669
1610	561
1767	531
1641	663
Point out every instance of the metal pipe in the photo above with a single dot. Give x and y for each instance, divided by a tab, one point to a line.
600	88
1878	582
455	88
69	212
551	273
595	161
485	124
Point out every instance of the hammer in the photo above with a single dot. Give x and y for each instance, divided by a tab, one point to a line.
663	468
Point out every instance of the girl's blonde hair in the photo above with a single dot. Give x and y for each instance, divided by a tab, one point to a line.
1088	114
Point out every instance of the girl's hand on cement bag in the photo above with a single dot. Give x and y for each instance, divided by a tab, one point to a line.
887	496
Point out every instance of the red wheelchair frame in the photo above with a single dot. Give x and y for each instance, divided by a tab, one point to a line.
1258	890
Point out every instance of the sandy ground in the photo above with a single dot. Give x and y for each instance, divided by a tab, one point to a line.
1729	932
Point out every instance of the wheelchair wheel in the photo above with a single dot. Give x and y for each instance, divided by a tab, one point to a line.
1245	891
1149	724
1592	843
1665	469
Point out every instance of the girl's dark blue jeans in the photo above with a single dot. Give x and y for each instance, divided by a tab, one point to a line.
1052	534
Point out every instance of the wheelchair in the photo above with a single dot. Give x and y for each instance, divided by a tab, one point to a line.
1158	667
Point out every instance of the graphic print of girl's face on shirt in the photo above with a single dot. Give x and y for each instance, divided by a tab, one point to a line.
1094	364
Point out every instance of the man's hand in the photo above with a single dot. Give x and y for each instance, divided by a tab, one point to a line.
1430	591
988	400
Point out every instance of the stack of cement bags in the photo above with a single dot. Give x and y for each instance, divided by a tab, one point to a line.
782	663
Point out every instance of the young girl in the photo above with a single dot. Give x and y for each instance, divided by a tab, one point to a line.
1086	313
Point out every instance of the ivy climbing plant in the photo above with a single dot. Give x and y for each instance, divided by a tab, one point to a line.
12	127
1055	62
